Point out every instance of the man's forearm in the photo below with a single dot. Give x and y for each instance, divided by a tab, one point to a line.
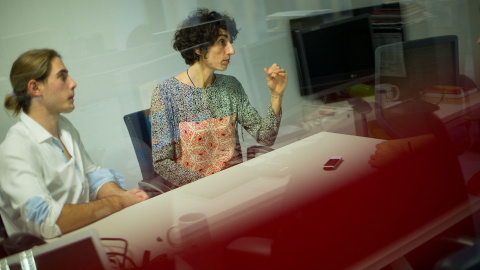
75	216
109	189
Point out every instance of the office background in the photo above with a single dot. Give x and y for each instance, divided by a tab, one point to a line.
116	51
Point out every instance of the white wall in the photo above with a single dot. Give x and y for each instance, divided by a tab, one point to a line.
116	49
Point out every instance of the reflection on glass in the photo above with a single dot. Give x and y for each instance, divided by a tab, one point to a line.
4	264
27	261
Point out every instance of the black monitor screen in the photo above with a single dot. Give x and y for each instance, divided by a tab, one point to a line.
335	55
416	65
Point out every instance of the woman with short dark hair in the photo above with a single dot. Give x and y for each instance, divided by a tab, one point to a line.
200	30
195	114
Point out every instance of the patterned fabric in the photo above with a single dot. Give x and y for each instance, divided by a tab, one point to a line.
207	145
174	103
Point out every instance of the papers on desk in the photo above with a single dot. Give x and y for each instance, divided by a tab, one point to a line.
449	91
452	96
332	118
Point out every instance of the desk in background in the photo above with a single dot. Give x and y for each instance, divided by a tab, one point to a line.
453	111
339	117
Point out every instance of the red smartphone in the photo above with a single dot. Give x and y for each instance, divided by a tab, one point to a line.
332	163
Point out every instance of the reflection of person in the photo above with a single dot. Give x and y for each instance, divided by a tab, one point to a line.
422	176
49	184
390	152
195	114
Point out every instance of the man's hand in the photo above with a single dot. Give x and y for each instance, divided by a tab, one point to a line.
389	153
74	216
400	152
133	196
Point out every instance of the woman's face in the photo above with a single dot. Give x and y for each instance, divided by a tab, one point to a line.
58	89
218	55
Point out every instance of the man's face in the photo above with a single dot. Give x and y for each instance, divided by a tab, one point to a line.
58	89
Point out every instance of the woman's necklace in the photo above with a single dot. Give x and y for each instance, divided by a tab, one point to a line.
190	79
203	90
214	79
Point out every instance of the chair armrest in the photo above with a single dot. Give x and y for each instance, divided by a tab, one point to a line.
360	106
253	150
19	242
154	187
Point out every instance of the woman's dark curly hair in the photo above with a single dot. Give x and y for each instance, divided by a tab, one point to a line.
200	30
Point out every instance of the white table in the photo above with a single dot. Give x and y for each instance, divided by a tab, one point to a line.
242	197
236	207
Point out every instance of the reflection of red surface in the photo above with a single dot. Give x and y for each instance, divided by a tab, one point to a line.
473	185
372	212
335	220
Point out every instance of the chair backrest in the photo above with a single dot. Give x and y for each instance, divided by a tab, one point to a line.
139	128
3	231
403	71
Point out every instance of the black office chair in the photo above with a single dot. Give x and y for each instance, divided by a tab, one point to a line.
401	107
17	242
139	128
466	258
3	231
403	110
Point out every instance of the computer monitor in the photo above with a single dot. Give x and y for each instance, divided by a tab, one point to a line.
81	250
332	56
416	65
404	71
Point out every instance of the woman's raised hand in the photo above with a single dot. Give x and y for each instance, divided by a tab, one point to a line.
277	79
